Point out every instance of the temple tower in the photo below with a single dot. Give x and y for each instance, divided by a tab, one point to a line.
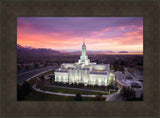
84	58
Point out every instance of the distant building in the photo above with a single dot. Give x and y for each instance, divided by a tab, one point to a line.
84	72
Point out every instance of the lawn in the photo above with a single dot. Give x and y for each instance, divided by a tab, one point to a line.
32	81
113	91
71	91
38	96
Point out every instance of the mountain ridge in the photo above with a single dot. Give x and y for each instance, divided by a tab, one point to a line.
48	50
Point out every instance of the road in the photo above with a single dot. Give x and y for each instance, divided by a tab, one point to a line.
25	75
115	96
111	97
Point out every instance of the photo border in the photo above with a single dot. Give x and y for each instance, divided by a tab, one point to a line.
11	10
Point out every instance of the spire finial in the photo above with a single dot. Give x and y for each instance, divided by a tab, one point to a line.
83	39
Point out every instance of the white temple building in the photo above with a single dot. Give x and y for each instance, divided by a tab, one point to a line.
84	72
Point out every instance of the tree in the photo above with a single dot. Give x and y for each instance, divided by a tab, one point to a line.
27	67
111	67
122	63
20	93
35	65
45	64
99	97
27	88
128	93
19	67
78	97
23	90
42	77
141	97
52	78
116	86
43	82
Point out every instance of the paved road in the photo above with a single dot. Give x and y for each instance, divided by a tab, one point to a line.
25	75
110	97
114	97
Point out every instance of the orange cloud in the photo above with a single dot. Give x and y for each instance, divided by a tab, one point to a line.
130	41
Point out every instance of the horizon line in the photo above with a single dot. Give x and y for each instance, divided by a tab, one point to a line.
70	50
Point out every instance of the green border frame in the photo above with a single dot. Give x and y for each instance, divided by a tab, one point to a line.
147	9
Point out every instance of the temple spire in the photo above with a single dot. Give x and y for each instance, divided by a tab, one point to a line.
84	58
83	38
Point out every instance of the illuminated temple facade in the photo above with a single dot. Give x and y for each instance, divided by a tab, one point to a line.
84	72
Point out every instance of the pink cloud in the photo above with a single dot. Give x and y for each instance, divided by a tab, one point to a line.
97	40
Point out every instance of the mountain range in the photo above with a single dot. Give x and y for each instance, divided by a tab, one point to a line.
44	51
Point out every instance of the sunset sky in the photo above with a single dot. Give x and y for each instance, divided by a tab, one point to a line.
66	33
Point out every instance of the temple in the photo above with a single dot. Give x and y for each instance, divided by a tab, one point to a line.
84	72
